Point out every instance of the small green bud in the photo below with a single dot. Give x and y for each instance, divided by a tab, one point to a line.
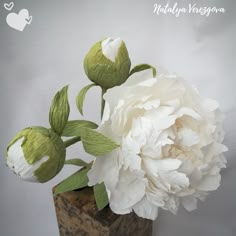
107	63
36	154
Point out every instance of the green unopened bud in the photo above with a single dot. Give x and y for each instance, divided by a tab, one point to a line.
36	154
107	63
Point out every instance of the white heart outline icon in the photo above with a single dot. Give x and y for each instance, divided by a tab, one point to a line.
9	6
28	20
19	21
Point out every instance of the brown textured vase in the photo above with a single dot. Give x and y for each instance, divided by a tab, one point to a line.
77	215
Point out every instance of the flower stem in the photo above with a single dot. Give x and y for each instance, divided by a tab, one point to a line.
71	141
102	101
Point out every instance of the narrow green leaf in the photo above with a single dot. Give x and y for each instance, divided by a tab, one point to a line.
96	143
73	127
100	195
76	162
59	111
76	181
142	67
81	96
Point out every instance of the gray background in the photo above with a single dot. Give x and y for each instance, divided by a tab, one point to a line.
48	54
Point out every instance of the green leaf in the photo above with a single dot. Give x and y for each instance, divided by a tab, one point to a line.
100	195
142	67
73	127
81	96
76	162
96	143
59	111
76	181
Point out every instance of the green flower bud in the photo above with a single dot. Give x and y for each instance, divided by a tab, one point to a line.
107	63
36	154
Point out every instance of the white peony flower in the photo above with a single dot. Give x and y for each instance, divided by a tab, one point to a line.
36	154
171	149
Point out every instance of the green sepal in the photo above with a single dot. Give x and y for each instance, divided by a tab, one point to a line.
76	181
81	96
73	127
142	67
59	111
39	142
100	195
96	143
76	162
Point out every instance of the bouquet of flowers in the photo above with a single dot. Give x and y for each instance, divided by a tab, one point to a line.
159	143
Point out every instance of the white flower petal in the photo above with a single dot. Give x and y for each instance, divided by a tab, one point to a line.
210	104
140	77
147	83
162	118
155	141
156	196
209	183
172	204
195	177
189	112
218	148
189	203
148	105
110	48
16	161
172	103
201	195
145	209
188	137
155	166
213	150
129	190
129	154
105	169
174	180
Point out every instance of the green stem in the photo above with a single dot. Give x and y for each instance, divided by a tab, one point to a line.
102	101
71	141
